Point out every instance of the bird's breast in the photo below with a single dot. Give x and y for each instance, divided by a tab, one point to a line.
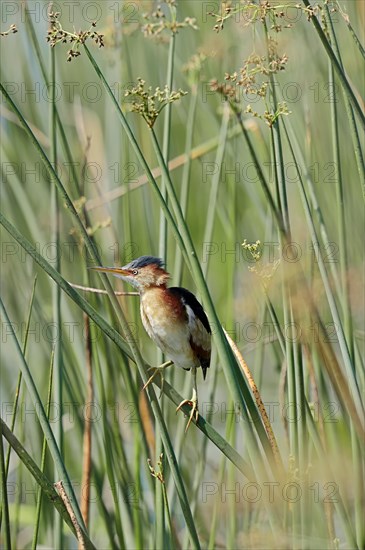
162	312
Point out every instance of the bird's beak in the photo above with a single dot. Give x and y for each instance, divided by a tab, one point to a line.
117	271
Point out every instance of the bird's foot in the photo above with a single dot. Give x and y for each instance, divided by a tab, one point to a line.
194	410
157	370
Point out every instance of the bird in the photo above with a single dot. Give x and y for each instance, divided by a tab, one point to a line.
173	318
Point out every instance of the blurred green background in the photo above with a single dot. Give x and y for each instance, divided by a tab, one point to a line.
225	204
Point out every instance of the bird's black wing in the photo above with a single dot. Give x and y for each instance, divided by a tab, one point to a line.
189	298
199	336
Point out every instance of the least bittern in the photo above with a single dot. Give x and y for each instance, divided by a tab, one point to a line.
172	317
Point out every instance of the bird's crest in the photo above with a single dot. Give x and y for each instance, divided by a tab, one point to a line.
142	261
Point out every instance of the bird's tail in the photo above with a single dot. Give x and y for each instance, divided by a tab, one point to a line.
205	366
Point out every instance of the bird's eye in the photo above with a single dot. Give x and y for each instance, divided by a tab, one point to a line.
135	271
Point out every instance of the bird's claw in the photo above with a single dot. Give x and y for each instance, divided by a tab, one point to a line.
155	371
194	411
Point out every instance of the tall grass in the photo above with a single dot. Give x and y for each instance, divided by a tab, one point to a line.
262	217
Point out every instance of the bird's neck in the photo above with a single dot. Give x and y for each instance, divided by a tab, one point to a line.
158	282
150	288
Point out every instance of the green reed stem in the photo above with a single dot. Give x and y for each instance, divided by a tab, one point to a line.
38	406
47	488
337	67
43	460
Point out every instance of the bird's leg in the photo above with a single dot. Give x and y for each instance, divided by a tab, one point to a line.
193	402
157	370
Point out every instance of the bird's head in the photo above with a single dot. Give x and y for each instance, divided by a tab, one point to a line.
142	273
